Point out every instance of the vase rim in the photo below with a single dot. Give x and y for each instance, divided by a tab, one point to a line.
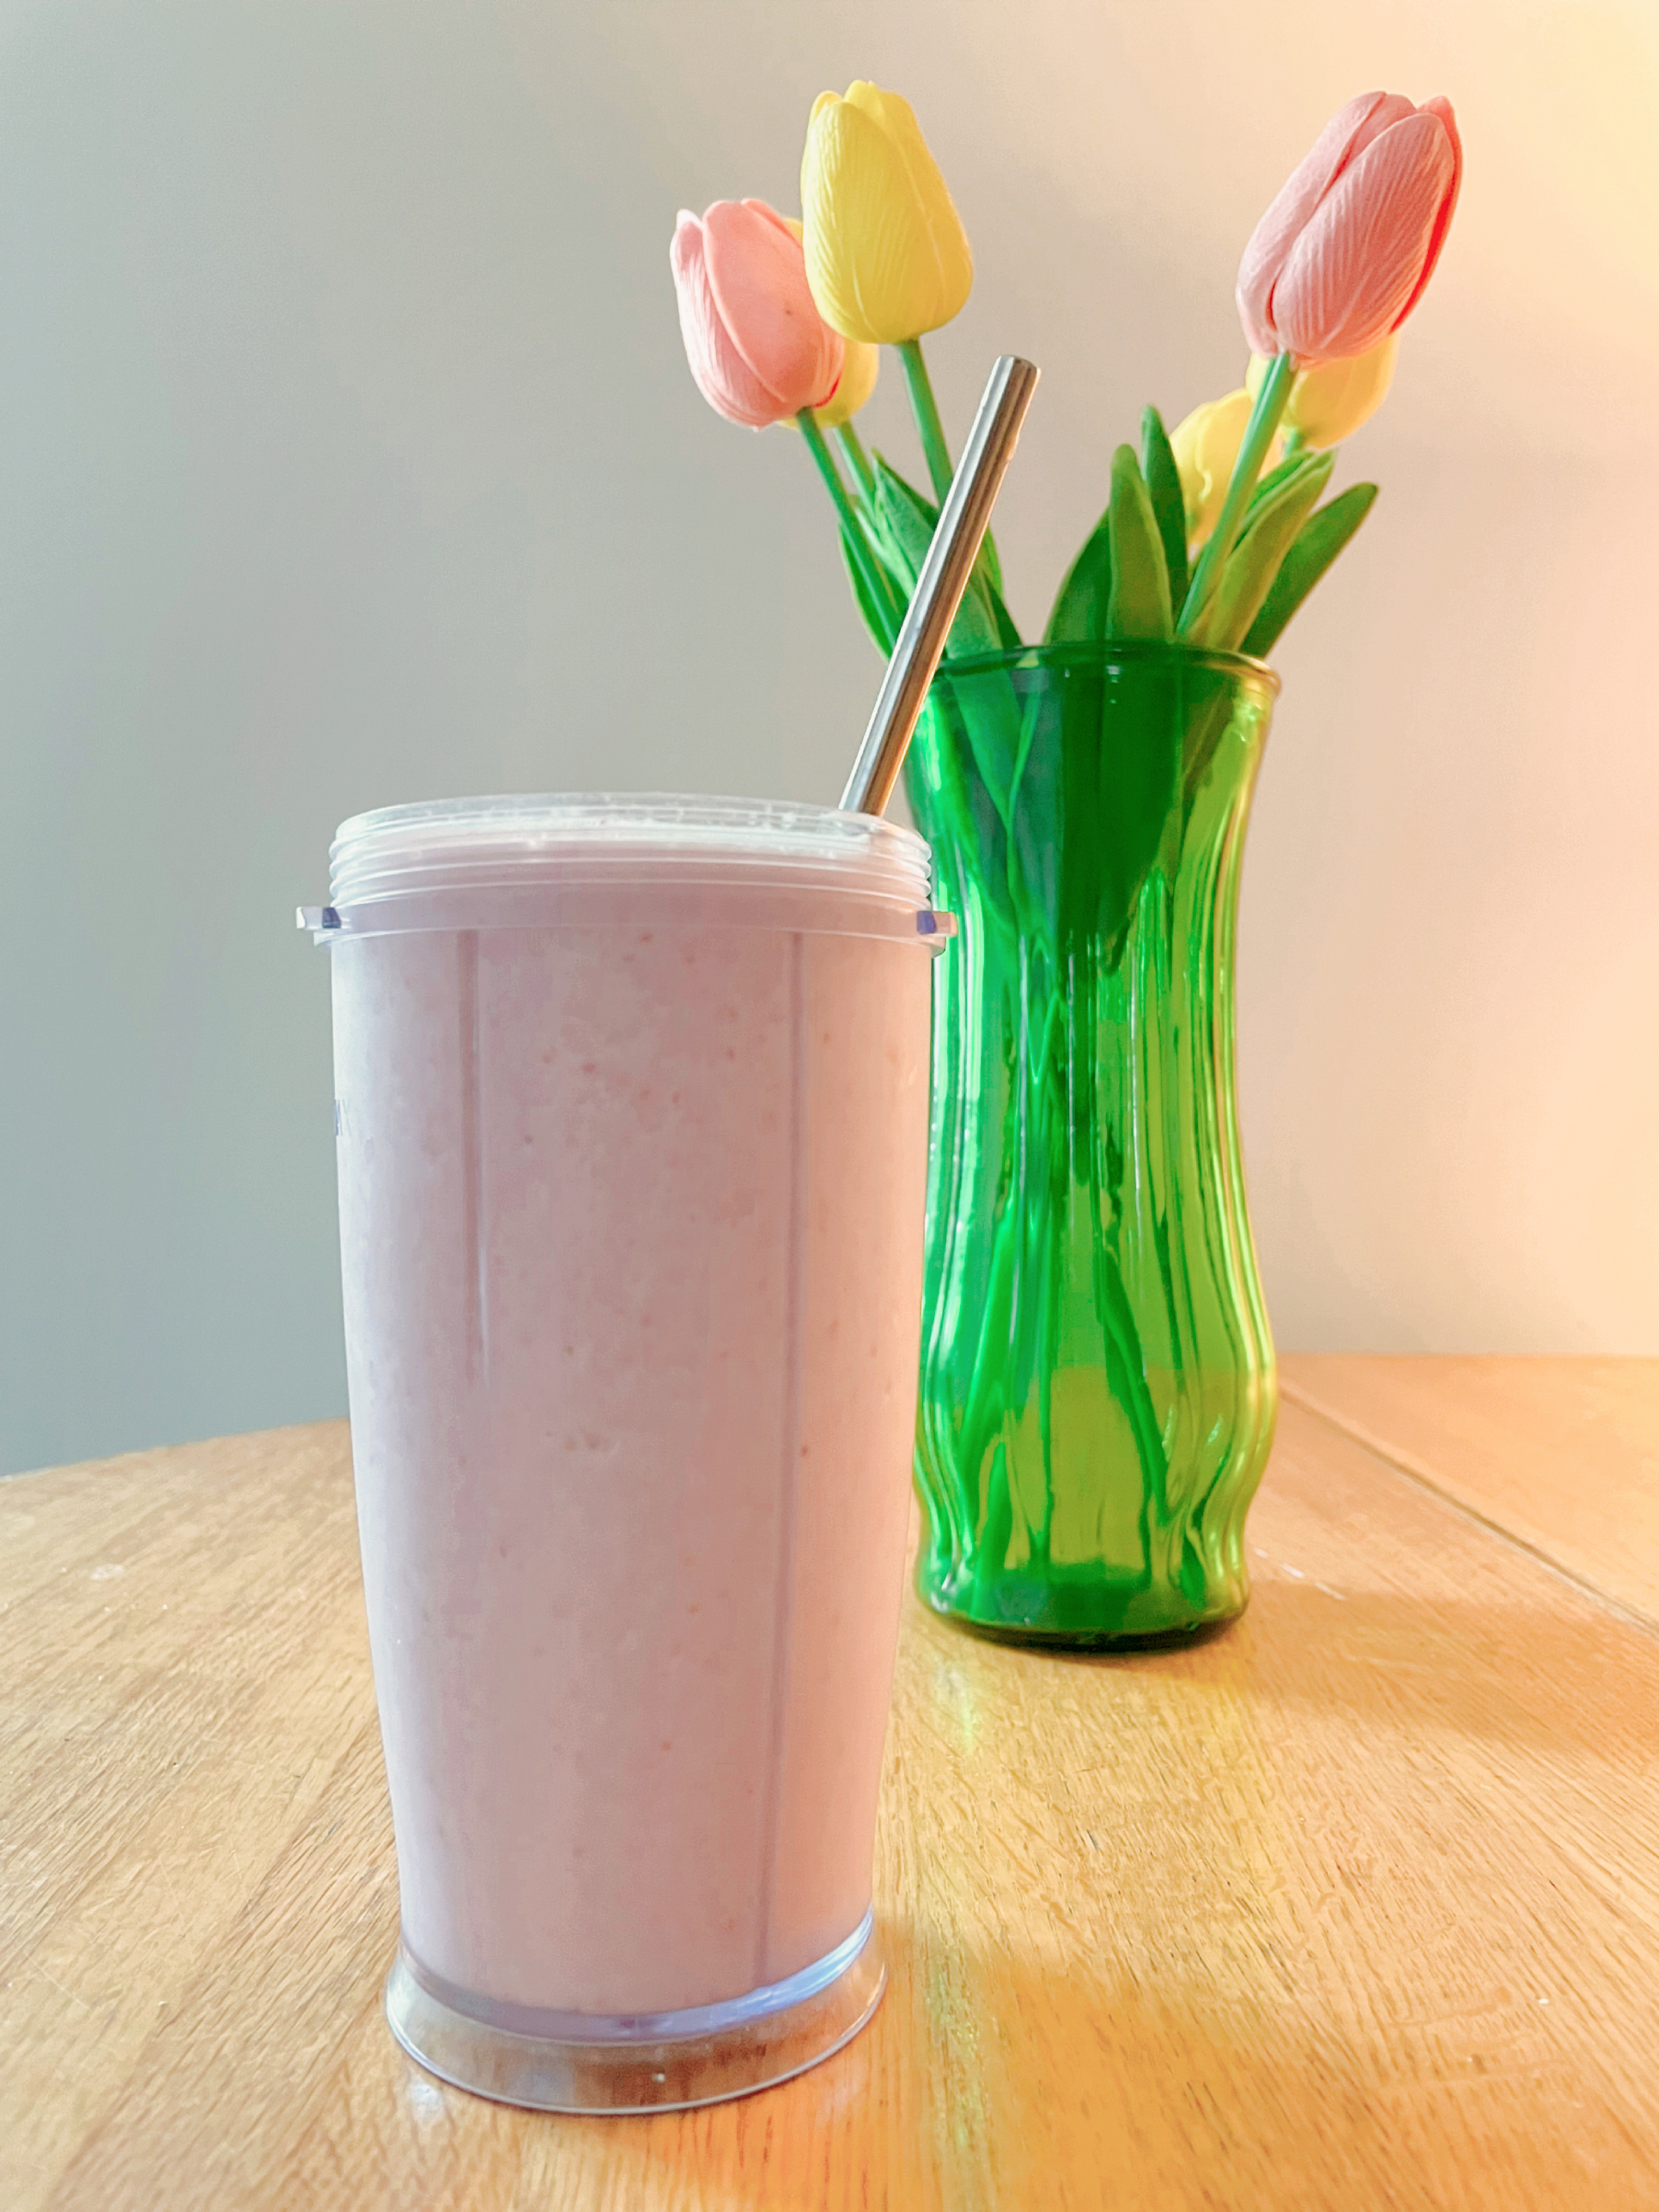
1101	654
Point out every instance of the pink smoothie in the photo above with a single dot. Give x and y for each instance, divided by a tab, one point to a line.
631	1216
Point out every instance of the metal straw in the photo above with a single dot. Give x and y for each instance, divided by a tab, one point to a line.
963	522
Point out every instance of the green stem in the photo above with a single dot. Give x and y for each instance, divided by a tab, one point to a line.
1270	405
831	475
876	578
925	408
853	446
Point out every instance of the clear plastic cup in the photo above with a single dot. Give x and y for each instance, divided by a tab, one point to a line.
631	1106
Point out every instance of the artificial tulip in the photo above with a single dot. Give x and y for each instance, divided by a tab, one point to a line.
1329	402
886	255
1205	447
1342	256
757	347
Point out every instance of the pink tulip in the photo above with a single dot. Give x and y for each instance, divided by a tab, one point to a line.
758	348
1342	256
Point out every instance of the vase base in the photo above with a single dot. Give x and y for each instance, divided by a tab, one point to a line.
1062	1616
1097	1641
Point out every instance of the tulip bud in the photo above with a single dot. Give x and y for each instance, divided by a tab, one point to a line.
1205	447
886	255
1329	402
858	381
757	345
1343	255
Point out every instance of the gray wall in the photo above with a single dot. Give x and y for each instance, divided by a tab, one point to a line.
349	456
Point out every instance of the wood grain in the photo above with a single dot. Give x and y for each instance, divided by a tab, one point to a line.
1562	1454
1356	1904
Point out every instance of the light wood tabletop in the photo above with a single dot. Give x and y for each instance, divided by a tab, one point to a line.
1355	1905
1562	1454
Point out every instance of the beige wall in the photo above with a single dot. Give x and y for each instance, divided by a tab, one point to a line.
348	456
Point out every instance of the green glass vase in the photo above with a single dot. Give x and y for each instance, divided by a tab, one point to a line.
1098	1385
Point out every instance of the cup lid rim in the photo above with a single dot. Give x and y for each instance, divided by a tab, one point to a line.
387	847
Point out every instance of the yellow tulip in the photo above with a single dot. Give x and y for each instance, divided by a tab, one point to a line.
858	381
1329	402
886	255
1206	446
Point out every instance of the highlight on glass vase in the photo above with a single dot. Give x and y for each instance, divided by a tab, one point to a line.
1097	1384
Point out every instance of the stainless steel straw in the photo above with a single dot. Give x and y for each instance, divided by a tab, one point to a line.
962	524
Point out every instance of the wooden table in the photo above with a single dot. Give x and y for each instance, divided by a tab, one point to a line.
1356	1905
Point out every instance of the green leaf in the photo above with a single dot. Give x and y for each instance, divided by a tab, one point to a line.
1275	481
905	523
1140	581
1169	501
878	617
976	716
1318	541
1253	561
1081	603
1007	629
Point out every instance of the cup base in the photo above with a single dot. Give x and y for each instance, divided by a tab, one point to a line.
659	2064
